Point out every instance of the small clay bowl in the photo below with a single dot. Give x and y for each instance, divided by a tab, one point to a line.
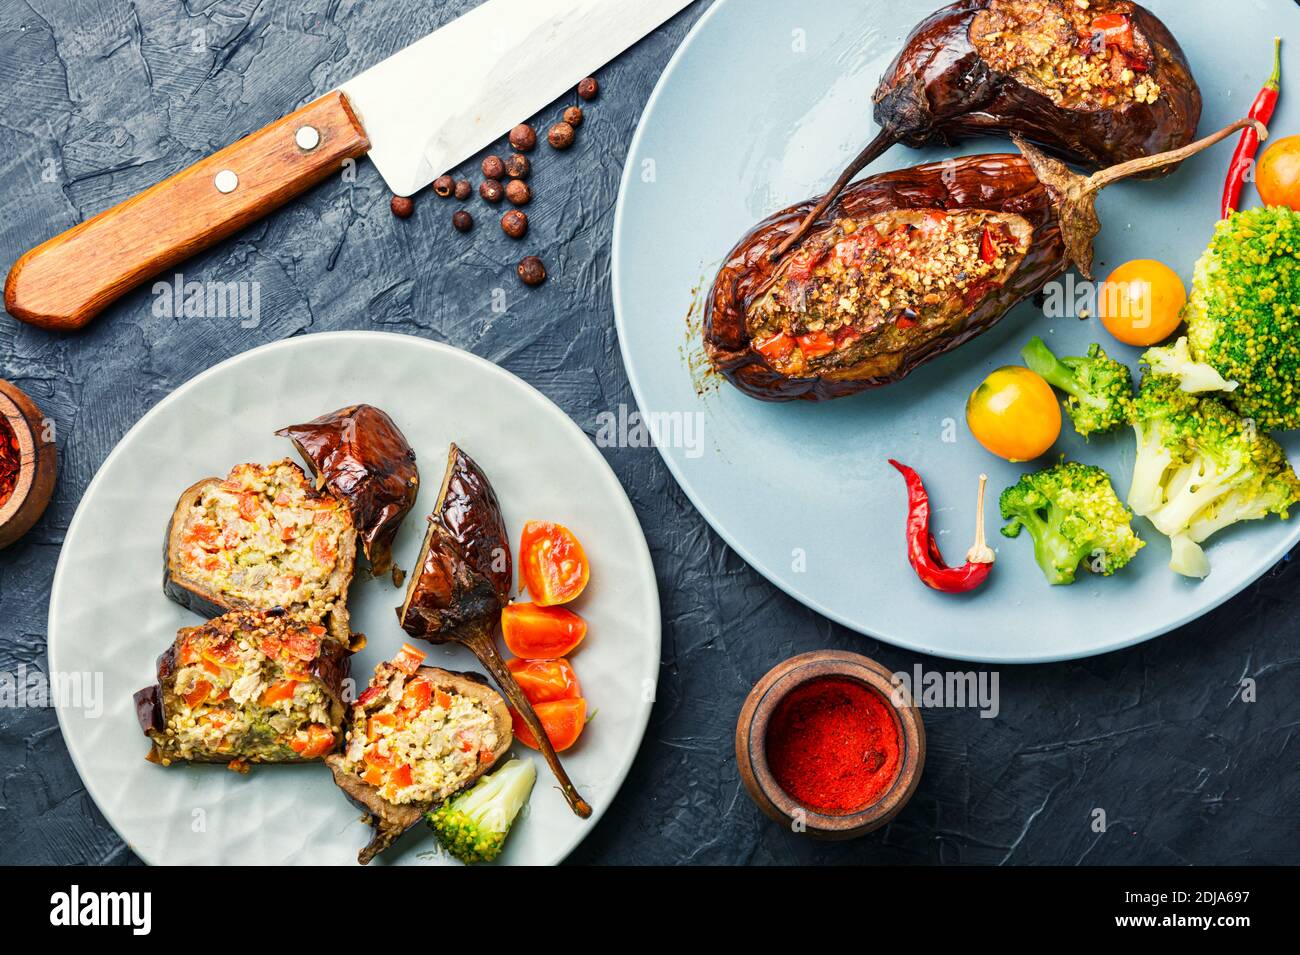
751	744
37	467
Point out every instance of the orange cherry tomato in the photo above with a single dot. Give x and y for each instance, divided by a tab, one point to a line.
553	563
1014	414
544	681
541	633
563	721
1141	302
1277	176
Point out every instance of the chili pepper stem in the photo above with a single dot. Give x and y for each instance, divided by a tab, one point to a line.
1275	78
980	552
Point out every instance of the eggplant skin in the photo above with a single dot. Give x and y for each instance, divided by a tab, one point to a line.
365	461
996	183
939	90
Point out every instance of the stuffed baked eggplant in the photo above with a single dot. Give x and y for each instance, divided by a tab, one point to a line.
1097	83
247	687
462	581
263	537
417	736
364	460
905	266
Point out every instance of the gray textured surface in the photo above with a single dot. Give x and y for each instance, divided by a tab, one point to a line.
113	97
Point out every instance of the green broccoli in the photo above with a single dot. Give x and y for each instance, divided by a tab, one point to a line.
1200	467
473	826
1073	515
1176	361
1243	315
1100	388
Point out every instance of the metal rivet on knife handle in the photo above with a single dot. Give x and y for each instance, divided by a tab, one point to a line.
307	138
226	181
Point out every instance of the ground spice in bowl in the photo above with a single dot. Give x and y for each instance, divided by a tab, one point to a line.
834	745
10	461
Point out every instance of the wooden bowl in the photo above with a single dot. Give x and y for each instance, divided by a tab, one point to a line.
37	468
751	744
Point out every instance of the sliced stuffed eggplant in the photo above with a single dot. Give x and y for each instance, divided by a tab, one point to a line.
462	581
415	737
247	687
363	458
264	537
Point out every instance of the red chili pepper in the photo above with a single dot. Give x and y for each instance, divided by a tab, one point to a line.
923	549
1244	156
988	251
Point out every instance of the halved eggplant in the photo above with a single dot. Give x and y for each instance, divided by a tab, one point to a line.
247	687
363	458
262	538
417	736
462	581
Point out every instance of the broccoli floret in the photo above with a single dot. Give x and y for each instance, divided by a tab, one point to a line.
473	826
1176	361
1072	513
1100	388
1243	314
1200	467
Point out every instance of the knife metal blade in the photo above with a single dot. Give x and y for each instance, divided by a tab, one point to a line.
443	98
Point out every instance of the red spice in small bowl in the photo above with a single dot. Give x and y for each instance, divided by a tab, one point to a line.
834	745
10	460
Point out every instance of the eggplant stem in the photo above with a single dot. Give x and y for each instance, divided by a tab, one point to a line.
1100	180
980	552
485	648
884	139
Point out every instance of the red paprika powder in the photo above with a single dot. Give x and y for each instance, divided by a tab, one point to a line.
9	461
834	745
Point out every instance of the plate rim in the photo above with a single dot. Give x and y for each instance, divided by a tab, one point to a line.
1274	555
361	335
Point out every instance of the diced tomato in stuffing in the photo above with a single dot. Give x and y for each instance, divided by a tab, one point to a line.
370	693
189	652
304	646
282	690
202	533
401	777
378	759
373	775
988	251
845	336
288	533
223	652
318	741
933	221
200	693
323	550
443	699
816	344
248	506
776	348
805	263
1117	29
378	722
416	696
408	659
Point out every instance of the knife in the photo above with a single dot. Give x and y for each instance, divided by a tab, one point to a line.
416	114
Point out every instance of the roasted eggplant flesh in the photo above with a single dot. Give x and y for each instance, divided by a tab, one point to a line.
263	537
361	456
248	686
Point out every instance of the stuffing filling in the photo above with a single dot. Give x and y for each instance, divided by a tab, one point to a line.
1082	54
877	285
414	741
248	694
264	535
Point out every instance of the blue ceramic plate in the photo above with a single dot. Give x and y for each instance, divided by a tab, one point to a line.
763	104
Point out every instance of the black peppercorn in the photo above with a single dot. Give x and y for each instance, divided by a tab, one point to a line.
463	189
523	138
462	220
531	270
518	166
517	191
491	190
442	186
573	115
515	224
560	136
402	206
493	167
588	88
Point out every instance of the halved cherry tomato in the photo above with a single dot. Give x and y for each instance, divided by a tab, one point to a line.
563	721
408	659
541	633
553	563
276	692
318	741
777	347
200	693
544	681
816	344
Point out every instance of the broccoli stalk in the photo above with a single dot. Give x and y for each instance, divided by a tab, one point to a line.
1073	516
1176	361
1100	389
473	826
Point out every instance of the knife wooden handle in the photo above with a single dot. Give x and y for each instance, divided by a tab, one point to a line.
64	283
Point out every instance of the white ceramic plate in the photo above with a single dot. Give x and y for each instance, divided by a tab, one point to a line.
108	614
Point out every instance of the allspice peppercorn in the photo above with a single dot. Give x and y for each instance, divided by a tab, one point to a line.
560	136
493	167
531	270
462	220
515	224
463	189
442	186
517	192
588	88
518	166
523	138
573	115
491	190
402	206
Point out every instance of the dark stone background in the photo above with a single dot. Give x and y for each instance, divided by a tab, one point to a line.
112	97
